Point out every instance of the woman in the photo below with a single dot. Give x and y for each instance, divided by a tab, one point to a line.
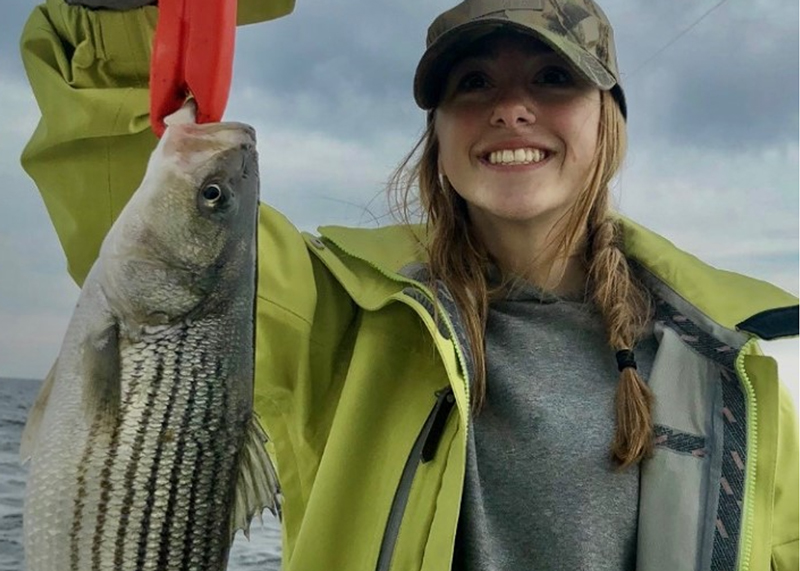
465	394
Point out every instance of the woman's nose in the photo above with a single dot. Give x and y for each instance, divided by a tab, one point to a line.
513	108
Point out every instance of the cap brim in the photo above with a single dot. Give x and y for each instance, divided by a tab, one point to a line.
438	58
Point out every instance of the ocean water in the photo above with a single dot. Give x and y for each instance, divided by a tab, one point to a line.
261	553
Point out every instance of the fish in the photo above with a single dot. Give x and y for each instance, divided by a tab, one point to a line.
145	452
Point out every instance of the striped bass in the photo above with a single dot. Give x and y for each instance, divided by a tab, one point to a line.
144	450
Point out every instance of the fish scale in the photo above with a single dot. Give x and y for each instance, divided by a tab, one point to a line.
156	480
196	546
133	446
145	452
176	405
185	455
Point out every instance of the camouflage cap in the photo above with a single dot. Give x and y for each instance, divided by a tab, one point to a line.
576	29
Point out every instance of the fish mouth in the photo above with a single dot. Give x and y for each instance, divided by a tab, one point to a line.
196	154
191	137
183	121
241	132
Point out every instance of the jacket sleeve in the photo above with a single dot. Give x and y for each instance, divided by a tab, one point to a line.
785	543
89	71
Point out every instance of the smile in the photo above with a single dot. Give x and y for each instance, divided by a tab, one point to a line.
516	156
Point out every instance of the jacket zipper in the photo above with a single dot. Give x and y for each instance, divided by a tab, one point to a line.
445	399
750	481
424	450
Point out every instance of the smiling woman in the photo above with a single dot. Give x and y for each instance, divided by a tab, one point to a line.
498	114
509	100
527	380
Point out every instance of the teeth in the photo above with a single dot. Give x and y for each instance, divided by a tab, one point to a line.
516	157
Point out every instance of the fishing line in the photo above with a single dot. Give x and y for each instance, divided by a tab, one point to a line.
673	40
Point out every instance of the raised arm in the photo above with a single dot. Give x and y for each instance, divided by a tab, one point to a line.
89	71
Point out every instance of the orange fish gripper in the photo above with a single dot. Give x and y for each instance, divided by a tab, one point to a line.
192	57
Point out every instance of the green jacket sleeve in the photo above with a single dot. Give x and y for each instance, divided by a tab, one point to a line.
89	71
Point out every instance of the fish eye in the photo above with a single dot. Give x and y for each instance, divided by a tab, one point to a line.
214	198
212	194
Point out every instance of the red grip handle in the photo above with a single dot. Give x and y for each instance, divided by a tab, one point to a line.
192	55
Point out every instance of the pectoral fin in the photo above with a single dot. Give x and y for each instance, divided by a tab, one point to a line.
102	375
257	486
30	434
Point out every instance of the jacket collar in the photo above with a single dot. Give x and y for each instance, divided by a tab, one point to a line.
725	299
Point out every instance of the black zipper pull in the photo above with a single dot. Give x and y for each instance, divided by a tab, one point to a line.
445	399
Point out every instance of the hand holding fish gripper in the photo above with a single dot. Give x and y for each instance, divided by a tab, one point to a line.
192	57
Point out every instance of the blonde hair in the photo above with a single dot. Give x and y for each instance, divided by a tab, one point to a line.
458	258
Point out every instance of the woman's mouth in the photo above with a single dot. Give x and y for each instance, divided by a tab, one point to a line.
511	157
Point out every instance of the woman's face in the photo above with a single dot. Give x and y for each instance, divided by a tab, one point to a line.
517	132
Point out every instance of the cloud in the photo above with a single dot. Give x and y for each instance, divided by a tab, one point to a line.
36	295
734	209
713	162
25	231
731	82
33	347
316	176
367	47
15	13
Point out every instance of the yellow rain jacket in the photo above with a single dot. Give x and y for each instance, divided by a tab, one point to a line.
365	397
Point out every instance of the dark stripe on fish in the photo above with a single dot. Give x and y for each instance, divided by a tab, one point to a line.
163	425
169	534
221	460
77	513
105	494
108	465
133	466
202	452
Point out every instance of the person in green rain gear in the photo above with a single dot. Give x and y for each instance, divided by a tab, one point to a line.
525	381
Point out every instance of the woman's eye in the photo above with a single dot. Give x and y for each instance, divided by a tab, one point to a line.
557	76
472	81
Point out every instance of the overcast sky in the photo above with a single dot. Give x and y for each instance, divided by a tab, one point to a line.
713	118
